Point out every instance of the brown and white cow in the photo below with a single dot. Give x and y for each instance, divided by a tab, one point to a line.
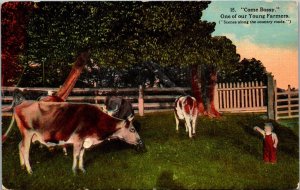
186	110
83	125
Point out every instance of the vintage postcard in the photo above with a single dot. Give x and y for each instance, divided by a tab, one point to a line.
149	95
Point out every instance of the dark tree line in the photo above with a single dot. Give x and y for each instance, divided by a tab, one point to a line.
244	71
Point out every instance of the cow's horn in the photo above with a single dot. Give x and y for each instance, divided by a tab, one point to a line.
130	118
111	112
117	108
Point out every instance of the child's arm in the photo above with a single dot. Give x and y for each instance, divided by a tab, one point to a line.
275	140
259	130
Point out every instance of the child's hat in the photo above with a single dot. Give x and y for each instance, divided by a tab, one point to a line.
269	125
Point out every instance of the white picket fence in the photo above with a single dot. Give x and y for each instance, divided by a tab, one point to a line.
286	103
241	97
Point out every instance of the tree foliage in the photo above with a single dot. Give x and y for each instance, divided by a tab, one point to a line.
245	71
120	35
14	19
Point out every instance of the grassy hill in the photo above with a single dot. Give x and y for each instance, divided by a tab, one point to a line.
226	153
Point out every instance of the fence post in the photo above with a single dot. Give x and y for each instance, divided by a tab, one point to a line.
141	101
216	97
275	100
289	100
271	96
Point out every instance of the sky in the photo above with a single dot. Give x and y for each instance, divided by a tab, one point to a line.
275	44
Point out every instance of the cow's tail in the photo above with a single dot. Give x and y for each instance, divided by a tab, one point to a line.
18	98
4	137
191	109
190	104
194	108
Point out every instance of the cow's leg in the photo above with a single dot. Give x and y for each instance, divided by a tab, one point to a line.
81	160
65	150
188	125
22	130
76	153
22	162
25	148
194	125
177	122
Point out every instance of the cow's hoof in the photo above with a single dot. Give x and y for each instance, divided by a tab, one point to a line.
74	171
65	151
29	171
51	149
82	170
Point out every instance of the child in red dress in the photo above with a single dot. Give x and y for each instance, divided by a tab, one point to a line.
270	143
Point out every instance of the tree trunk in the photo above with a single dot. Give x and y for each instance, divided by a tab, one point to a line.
196	89
211	110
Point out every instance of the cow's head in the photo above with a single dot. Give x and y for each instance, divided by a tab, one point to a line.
128	134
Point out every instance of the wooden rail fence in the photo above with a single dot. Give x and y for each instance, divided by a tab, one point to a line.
143	100
286	103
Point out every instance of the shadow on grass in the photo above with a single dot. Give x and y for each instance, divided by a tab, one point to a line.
246	146
107	147
166	181
288	140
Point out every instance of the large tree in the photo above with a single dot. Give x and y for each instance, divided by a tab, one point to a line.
223	57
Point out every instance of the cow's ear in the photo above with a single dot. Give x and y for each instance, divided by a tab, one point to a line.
104	109
130	118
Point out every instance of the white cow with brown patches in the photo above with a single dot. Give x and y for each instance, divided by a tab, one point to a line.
186	110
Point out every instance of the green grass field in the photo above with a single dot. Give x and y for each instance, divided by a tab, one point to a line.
226	153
